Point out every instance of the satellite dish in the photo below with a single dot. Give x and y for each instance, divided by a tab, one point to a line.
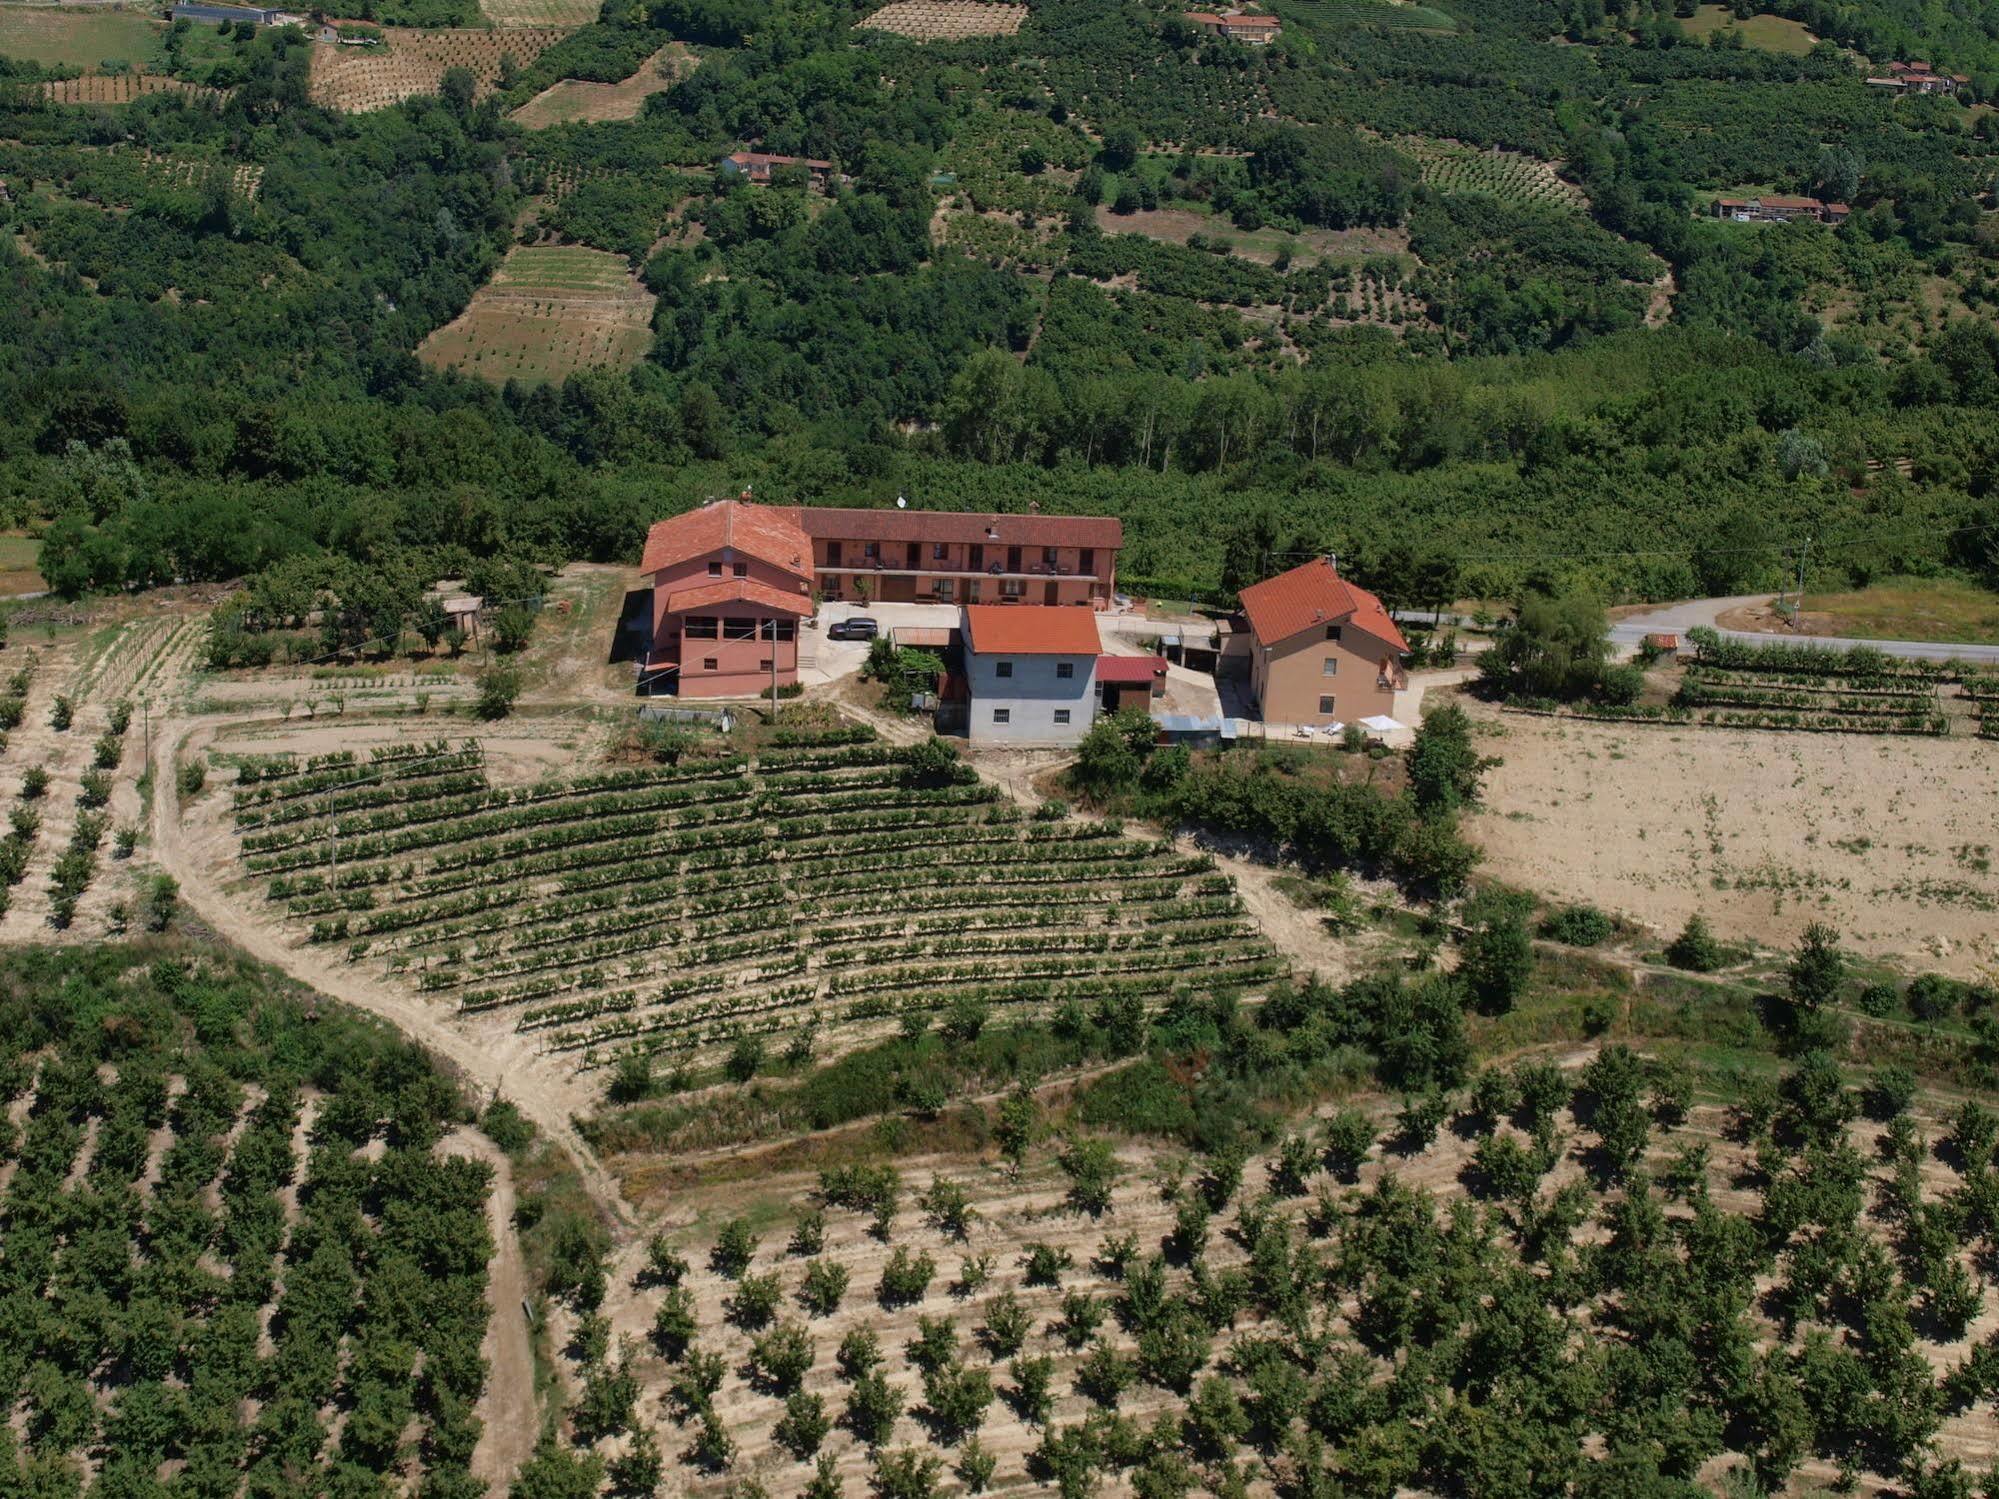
901	503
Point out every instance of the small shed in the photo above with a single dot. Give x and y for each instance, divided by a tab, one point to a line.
1130	681
922	637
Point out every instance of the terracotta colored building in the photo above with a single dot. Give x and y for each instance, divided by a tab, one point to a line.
949	557
1236	26
1776	208
1322	650
730	582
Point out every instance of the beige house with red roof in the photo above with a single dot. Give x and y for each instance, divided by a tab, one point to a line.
1322	650
730	583
1237	26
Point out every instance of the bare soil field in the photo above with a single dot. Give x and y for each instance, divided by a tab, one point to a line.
945	20
74	37
412	62
547	312
574	100
1762	832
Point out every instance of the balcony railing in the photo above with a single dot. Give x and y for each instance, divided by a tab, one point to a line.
990	570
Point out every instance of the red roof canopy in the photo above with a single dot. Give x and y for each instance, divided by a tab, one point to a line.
1031	630
1314	595
1130	671
737	591
767	532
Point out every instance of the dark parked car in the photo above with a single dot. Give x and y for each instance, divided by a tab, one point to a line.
854	627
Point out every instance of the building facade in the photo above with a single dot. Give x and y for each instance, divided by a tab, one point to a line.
1031	673
1322	650
1237	26
730	583
1778	209
948	557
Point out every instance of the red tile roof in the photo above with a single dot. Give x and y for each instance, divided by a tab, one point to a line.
841	524
1311	595
1031	630
737	591
769	533
1130	671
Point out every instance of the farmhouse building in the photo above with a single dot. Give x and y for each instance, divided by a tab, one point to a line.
1322	650
1031	672
229	14
951	557
1236	26
1775	208
1918	78
758	166
730	582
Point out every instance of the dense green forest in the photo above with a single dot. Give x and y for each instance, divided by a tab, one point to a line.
197	379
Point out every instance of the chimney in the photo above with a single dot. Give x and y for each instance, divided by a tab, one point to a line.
1333	561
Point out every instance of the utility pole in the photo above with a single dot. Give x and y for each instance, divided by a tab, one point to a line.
1803	552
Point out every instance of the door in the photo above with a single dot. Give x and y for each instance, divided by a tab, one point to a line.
978	557
1050	592
1013	559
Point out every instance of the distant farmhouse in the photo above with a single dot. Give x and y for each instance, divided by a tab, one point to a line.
757	166
1237	26
1918	78
1777	209
229	15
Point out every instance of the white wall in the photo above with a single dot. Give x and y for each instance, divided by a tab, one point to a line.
1030	697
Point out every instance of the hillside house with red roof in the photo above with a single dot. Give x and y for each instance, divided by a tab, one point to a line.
730	583
758	166
1237	26
1919	78
1031	671
1322	650
1777	208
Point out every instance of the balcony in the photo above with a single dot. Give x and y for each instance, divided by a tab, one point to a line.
870	567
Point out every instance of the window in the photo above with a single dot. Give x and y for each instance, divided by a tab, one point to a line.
1333	633
871	549
1048	556
1325	705
1065	671
740	569
1003	668
701	627
764	665
1330	667
972	591
780	629
1061	715
1089	562
1013	588
939	551
739	629
832	554
1002	715
714	569
944	588
709	663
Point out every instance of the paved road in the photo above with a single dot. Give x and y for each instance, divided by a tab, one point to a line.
1677	619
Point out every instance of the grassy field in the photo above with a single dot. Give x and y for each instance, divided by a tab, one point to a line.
548	312
18	556
573	99
540	12
83	39
1334	13
1771	33
1908	609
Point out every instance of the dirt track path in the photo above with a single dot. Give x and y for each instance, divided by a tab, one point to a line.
493	1072
509	1413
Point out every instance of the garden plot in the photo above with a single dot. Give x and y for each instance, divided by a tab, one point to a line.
412	62
547	312
671	911
574	100
122	88
1510	176
944	20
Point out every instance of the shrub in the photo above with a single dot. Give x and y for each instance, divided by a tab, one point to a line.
755	1301
734	1248
873	1407
1695	949
1878	1000
34	783
803	1426
93	789
499	688
62	713
191	777
1932	996
162	902
824	1287
905	1278
106	753
1349	1137
1578	926
1006	1326
781	1358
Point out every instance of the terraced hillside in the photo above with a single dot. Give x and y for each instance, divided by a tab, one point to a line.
826	886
